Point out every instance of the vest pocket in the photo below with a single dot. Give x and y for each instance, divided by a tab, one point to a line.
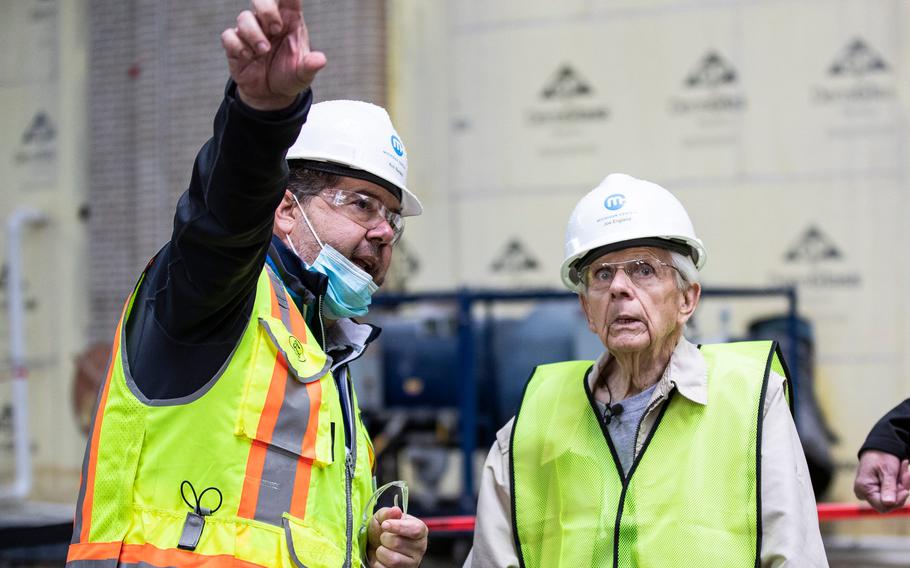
309	548
306	362
286	401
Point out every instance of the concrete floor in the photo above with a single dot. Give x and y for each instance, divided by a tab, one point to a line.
869	551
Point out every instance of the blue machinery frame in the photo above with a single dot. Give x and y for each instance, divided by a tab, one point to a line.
467	367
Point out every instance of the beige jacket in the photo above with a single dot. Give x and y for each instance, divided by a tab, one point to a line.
790	534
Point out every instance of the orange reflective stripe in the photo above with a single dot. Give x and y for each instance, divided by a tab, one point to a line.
302	477
93	551
301	487
150	554
256	459
276	309
298	328
252	481
273	400
135	553
96	436
259	467
308	448
314	390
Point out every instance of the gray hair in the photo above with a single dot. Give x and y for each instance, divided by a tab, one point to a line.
306	184
686	274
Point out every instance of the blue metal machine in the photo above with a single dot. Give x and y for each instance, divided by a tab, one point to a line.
477	364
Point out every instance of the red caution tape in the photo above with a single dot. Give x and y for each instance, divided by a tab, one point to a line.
464	523
852	511
826	512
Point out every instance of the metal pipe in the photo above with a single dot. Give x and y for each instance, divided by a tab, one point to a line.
22	483
793	351
467	366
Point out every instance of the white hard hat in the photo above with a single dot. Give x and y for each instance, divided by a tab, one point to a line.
623	212
356	139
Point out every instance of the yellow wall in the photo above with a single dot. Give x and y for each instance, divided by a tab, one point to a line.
43	165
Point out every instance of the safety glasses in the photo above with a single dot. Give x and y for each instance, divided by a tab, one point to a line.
643	272
363	209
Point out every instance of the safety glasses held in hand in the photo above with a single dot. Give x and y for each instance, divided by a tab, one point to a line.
371	504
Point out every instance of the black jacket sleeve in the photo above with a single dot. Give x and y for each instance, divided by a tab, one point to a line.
891	434
223	223
197	294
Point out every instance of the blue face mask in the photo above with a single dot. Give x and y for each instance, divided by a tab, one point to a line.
350	288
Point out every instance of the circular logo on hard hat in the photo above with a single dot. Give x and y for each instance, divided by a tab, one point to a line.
615	202
397	145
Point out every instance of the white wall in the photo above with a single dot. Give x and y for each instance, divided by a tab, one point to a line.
42	165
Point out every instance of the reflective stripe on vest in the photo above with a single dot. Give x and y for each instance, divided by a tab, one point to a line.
692	496
262	431
286	422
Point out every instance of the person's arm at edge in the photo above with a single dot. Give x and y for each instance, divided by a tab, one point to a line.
882	475
891	434
789	516
494	546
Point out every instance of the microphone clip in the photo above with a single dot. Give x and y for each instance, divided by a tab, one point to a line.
610	411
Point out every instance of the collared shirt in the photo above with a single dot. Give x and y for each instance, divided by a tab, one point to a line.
790	533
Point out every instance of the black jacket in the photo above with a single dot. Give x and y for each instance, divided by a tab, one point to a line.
891	434
197	295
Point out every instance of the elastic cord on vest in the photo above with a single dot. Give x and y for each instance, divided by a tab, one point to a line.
195	520
198	508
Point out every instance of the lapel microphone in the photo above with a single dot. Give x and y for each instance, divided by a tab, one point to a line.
610	411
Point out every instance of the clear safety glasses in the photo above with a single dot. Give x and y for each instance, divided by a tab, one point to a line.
371	504
365	210
643	272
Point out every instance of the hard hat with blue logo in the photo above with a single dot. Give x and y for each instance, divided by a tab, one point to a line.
625	212
355	139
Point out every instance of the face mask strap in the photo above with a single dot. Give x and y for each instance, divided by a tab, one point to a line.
291	244
307	221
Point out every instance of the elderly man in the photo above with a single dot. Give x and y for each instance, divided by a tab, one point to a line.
659	453
227	431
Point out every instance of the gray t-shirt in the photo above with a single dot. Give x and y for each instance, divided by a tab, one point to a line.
623	426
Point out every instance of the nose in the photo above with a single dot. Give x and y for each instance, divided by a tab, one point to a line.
382	232
621	286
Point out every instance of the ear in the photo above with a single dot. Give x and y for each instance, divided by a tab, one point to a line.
689	302
285	215
584	307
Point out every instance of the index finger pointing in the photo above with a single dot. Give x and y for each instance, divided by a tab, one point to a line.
268	16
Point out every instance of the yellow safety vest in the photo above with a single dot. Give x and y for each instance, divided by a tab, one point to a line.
692	497
267	433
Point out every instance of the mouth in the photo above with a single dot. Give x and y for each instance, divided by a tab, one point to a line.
624	321
367	265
